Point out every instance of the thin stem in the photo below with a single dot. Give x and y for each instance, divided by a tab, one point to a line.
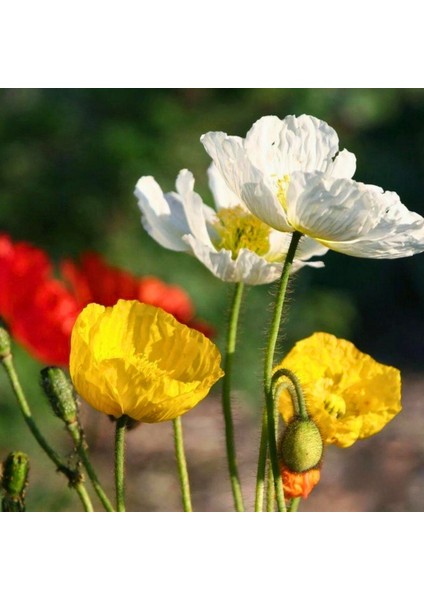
269	361
121	425
260	475
270	494
26	412
73	476
270	498
85	498
182	464
294	505
298	400
81	447
226	397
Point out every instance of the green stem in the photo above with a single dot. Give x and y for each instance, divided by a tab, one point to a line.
226	397
72	476
85	498
270	498
294	505
270	494
182	464
298	399
81	447
260	475
269	361
121	425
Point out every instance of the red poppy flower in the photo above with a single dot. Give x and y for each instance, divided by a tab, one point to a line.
41	311
22	269
96	281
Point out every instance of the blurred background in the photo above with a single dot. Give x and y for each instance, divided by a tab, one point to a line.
69	161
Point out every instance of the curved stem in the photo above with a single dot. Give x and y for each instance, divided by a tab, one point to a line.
72	475
121	425
85	498
182	464
298	400
269	360
81	448
226	397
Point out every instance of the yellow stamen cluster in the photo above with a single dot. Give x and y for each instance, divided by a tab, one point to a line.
335	405
239	229
282	186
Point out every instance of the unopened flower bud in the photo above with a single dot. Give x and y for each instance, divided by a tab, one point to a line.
14	481
4	343
300	447
60	393
299	485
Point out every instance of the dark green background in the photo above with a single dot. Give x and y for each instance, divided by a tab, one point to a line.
69	161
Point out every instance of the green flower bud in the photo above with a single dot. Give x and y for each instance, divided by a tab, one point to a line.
15	476
60	393
300	447
4	343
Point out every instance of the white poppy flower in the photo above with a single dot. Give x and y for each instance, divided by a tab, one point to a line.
231	242
290	174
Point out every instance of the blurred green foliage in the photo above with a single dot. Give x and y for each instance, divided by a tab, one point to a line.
69	161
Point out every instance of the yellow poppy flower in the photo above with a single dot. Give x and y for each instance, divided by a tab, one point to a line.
348	394
138	360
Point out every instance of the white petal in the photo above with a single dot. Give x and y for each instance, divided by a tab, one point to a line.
244	179
343	166
193	206
163	216
224	197
248	268
354	218
308	248
278	147
279	245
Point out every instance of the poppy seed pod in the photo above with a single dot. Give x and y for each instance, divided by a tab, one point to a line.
14	482
300	447
60	394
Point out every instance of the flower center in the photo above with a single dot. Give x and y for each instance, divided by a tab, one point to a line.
282	186
335	405
239	229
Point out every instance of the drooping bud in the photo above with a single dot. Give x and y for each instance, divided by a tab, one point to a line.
300	447
4	343
300	452
60	393
14	482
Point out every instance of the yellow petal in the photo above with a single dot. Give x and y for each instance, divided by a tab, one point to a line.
138	360
348	394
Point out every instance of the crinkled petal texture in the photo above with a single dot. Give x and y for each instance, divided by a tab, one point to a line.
290	174
273	150
138	360
348	394
353	218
